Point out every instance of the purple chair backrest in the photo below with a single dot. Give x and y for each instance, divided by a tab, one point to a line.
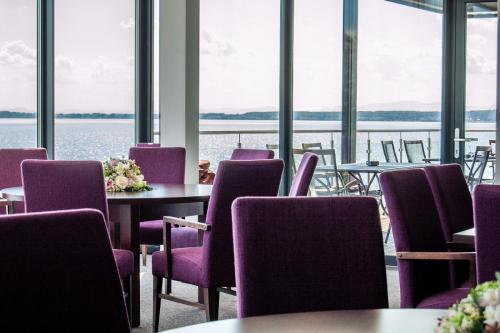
160	165
148	145
308	254
452	197
60	270
234	179
416	227
252	154
10	167
61	185
303	177
487	223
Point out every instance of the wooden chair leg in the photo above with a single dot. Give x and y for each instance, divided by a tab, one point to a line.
144	254
211	297
157	285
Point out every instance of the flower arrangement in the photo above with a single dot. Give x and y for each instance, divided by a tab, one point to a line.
479	312
122	175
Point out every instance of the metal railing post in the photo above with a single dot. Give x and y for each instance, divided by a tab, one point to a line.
239	140
369	148
429	148
400	147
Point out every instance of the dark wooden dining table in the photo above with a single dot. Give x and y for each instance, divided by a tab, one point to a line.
128	209
465	237
356	321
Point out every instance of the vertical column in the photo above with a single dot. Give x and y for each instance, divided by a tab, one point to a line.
45	75
179	79
453	92
349	80
286	93
144	50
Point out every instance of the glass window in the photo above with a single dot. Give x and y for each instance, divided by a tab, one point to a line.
94	78
318	81
18	73
239	76
399	78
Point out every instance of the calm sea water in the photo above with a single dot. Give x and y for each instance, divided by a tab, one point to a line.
100	139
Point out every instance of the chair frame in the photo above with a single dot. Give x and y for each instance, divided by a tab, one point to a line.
385	149
414	142
478	171
210	295
445	256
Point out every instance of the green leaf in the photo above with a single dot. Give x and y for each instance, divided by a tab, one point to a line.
497	274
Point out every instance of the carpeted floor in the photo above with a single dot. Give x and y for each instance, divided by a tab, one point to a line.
175	315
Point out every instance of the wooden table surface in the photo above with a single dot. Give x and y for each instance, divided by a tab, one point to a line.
465	237
365	321
128	209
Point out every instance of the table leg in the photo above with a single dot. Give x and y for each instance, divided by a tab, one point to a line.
129	218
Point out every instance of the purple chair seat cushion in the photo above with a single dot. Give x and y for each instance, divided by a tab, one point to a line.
152	233
125	262
444	299
186	265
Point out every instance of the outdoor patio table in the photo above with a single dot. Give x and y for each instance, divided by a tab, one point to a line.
357	321
355	170
129	208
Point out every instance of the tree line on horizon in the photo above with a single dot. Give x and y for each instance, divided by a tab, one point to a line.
422	116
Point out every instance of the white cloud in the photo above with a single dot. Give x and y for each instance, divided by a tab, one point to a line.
17	53
106	70
215	45
128	24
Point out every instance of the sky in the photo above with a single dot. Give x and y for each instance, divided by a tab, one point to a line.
399	65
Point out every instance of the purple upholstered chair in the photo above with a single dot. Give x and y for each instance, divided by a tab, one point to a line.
252	154
486	220
212	265
162	166
303	177
148	145
308	254
59	273
62	185
454	204
423	260
10	169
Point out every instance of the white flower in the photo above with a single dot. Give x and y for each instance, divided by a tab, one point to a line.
139	178
489	297
492	315
121	182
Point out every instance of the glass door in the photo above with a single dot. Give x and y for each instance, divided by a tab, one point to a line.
480	97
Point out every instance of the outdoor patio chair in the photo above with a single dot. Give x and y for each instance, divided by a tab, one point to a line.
389	152
415	151
331	182
478	166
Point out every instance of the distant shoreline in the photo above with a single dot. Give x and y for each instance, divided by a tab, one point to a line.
419	116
